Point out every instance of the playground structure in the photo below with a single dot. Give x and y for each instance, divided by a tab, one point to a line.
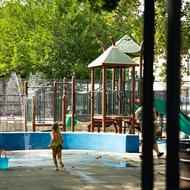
112	58
12	115
98	104
61	101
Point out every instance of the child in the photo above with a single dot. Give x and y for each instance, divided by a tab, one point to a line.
56	145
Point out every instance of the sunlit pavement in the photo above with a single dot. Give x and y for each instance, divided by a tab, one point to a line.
33	170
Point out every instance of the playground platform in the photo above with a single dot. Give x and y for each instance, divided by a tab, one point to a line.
84	169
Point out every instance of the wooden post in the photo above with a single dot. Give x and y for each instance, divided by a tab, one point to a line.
140	72
73	104
25	105
104	99
26	88
113	79
64	112
120	97
113	89
133	100
64	86
33	114
92	102
64	106
120	90
55	100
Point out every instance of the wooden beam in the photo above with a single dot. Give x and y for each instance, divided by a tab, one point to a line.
73	104
33	114
55	101
92	101
104	99
133	100
64	112
25	105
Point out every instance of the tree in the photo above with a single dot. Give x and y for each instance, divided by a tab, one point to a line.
55	37
185	28
75	41
25	38
161	34
102	5
127	19
59	37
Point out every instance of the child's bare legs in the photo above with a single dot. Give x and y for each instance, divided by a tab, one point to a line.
55	159
59	154
155	147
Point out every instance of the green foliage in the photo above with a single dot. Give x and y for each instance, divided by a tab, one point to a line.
58	38
102	5
161	34
55	37
127	19
185	28
25	38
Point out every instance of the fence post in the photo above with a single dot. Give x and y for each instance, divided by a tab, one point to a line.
25	105
133	100
73	104
92	101
104	99
64	112
55	100
33	114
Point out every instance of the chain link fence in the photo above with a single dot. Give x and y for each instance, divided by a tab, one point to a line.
12	100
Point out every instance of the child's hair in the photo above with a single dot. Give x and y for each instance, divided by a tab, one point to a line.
55	126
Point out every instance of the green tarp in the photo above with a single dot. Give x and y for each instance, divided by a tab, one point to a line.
68	121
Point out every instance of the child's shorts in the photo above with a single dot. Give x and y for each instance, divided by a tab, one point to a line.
57	148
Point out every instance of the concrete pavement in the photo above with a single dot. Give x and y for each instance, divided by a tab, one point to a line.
33	170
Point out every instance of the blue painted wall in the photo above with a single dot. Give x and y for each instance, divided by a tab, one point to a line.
83	141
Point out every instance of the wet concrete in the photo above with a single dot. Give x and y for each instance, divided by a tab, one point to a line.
33	170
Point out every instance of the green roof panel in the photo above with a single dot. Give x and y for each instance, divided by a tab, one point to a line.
127	45
113	56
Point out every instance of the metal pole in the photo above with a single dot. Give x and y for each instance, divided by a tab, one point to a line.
147	133
173	94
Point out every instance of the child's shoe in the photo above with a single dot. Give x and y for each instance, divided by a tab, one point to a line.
160	154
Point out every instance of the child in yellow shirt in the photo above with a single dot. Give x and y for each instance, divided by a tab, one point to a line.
56	145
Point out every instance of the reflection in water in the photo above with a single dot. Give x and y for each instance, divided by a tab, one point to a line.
31	158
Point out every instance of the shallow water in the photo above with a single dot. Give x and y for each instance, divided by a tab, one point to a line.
33	158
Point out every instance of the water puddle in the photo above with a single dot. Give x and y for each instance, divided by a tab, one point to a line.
32	158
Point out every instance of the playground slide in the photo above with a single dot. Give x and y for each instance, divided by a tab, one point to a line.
184	120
